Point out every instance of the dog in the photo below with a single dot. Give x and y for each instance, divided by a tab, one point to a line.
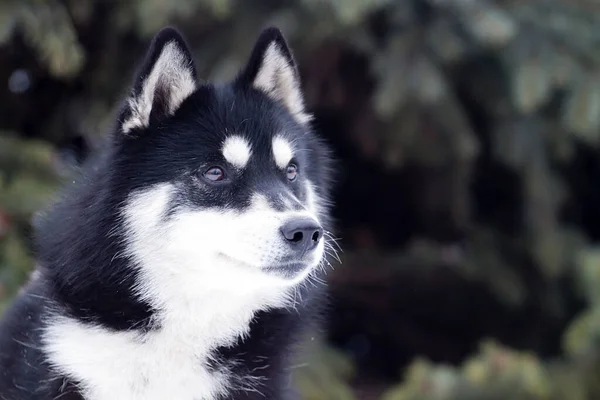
187	260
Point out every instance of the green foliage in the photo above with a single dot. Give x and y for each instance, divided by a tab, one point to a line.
27	183
324	373
413	116
495	372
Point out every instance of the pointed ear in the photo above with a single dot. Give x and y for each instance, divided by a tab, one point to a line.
272	70
167	77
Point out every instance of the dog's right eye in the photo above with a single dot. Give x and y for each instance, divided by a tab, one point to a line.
214	174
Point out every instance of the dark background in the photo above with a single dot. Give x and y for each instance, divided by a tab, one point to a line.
468	136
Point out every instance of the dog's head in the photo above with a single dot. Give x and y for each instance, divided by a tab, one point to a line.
226	181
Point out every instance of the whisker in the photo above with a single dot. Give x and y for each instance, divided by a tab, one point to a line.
333	253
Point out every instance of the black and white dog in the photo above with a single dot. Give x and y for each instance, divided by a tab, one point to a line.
186	262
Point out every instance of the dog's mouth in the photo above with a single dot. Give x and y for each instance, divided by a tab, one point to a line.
234	261
290	270
284	268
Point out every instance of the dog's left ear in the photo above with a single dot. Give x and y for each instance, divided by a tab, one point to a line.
272	70
166	78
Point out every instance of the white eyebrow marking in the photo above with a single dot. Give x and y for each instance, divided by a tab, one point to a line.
282	151
236	151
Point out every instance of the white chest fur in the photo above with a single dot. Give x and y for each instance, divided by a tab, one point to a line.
170	363
127	366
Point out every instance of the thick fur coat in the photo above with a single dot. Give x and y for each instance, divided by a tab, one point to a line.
186	262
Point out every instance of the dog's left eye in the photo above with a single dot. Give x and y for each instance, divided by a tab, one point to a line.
291	172
214	174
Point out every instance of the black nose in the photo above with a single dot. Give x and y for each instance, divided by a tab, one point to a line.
302	233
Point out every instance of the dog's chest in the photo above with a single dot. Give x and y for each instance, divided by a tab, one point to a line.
170	363
173	362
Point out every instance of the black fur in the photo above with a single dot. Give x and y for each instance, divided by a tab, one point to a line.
83	271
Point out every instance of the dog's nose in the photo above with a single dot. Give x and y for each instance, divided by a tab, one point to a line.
302	233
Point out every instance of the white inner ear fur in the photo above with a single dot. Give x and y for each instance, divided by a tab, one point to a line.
171	71
277	79
236	151
282	152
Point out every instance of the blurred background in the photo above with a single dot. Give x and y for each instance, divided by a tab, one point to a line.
468	204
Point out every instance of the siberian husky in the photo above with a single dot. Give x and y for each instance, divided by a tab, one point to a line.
187	260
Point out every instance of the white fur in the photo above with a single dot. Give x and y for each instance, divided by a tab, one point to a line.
202	269
282	151
236	151
171	72
313	202
276	78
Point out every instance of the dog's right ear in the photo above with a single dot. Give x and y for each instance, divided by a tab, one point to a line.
167	77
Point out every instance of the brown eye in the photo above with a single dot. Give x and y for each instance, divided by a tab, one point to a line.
291	172
214	174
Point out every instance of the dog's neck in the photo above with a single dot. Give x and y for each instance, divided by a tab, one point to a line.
191	324
216	316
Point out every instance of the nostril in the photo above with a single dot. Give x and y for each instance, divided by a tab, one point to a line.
298	236
315	236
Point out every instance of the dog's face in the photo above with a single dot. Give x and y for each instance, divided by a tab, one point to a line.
225	182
